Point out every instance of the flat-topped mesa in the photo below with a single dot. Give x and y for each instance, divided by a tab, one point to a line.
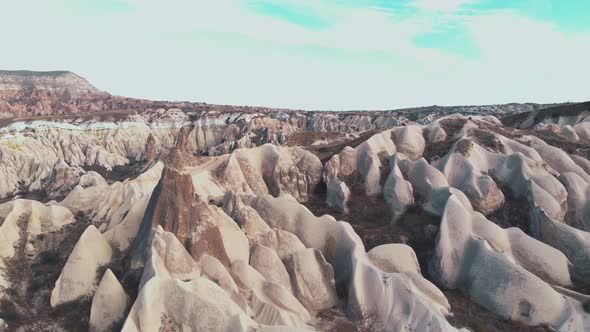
36	93
14	81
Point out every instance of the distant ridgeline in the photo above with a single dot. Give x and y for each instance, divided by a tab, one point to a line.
52	81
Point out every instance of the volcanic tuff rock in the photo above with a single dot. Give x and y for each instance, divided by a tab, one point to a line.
22	222
51	81
164	216
313	279
395	257
108	303
78	277
168	304
267	262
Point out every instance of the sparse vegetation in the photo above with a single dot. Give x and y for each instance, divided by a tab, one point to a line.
32	278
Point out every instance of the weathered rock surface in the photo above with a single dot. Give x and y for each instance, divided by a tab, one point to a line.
272	304
274	170
78	277
313	279
512	278
397	191
30	218
246	217
268	264
371	292
202	228
199	305
227	218
365	159
410	141
119	206
215	271
108	304
167	258
395	257
338	195
51	81
282	242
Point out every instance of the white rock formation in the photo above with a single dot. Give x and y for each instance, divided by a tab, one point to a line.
582	162
395	257
313	279
274	170
574	243
34	218
219	236
108	304
374	297
570	133
504	270
398	192
167	258
30	159
121	205
556	158
338	194
244	215
213	270
467	171
272	304
578	202
430	183
410	141
268	264
165	304
364	159
29	218
436	134
265	262
521	168
282	242
78	277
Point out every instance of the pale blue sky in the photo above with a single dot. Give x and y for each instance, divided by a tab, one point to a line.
313	54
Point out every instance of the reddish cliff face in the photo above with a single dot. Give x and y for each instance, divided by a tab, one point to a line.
27	93
38	102
33	93
150	152
49	81
195	223
172	200
172	204
182	154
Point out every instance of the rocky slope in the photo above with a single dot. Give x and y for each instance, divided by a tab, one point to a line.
172	219
33	94
50	81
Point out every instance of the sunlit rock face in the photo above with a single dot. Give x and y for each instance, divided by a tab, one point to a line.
51	81
134	215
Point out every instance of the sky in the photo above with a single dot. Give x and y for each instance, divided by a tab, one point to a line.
310	54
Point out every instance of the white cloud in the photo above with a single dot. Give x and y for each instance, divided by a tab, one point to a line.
526	59
440	5
222	52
